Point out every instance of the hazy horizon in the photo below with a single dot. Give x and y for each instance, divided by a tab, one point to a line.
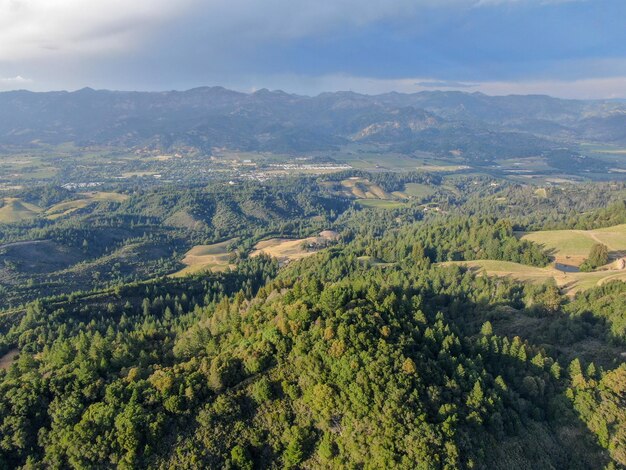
304	95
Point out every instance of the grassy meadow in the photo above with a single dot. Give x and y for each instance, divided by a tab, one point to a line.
567	247
203	258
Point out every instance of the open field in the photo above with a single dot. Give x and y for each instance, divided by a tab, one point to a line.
570	283
16	210
286	250
571	247
64	208
105	196
373	161
443	168
362	188
418	190
203	258
379	203
371	195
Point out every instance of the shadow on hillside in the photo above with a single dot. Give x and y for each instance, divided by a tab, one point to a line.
563	338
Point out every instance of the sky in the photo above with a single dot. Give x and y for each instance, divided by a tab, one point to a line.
564	48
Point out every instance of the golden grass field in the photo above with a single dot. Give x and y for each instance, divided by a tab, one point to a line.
571	247
16	210
286	250
65	208
567	247
362	188
202	258
570	283
372	195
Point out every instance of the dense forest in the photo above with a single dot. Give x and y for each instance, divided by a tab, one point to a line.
369	354
372	353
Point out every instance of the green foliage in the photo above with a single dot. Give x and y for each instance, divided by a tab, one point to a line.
606	303
241	458
601	405
598	256
262	390
330	363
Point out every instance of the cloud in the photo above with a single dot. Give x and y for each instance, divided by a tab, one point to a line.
307	46
60	28
57	28
10	83
15	80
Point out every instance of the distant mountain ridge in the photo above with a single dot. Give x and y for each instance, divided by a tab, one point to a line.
266	120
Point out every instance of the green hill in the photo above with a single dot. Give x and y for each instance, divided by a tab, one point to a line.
16	210
571	247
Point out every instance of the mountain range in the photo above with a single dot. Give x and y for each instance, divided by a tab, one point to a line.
480	126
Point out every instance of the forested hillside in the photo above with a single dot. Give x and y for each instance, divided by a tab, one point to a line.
80	241
367	354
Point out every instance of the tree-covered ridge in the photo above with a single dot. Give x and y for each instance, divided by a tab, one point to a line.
333	364
369	354
599	399
577	206
454	239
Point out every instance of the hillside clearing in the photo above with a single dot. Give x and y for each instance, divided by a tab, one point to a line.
67	207
570	283
16	210
571	247
286	250
379	204
202	258
418	190
362	188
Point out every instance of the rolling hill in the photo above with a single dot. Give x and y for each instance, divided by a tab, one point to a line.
568	249
16	210
571	247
